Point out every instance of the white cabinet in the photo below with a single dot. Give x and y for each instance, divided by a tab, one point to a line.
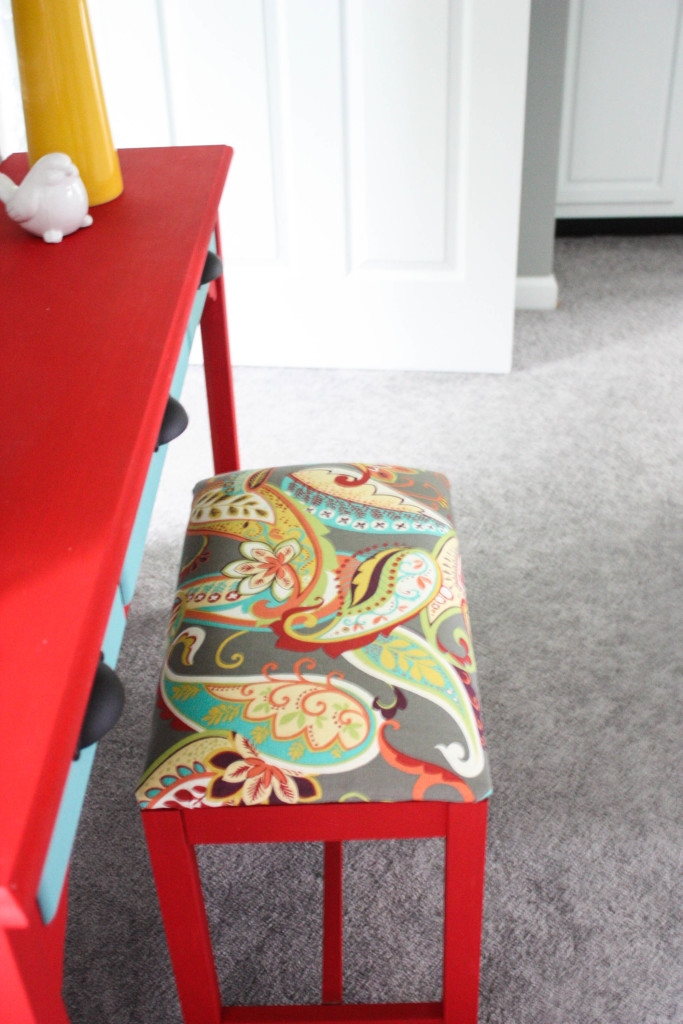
621	149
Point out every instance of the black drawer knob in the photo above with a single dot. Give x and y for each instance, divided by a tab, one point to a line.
213	268
104	706
174	422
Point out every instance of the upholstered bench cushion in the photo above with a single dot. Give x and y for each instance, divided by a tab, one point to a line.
319	647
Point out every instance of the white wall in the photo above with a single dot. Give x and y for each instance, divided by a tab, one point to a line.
12	134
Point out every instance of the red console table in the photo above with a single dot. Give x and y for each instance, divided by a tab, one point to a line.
92	331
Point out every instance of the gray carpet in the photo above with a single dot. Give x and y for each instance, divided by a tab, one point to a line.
567	485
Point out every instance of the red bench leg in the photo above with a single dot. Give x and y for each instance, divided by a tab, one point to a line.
464	885
333	925
182	906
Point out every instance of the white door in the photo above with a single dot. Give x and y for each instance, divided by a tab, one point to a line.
371	214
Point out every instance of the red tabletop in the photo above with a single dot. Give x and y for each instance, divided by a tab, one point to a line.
90	331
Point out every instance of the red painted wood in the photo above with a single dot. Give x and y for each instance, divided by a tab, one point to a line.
182	905
315	823
91	331
464	827
333	924
55	931
464	894
359	1013
218	376
31	969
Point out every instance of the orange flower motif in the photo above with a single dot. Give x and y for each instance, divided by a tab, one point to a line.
258	779
264	567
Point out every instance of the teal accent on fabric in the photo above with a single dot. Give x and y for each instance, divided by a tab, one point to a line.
320	645
209	713
212	591
358	518
411	666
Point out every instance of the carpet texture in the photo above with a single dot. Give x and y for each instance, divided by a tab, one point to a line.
567	491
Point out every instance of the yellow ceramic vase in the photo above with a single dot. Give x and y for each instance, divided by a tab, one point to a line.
61	92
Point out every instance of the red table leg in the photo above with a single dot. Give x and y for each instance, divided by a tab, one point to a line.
218	374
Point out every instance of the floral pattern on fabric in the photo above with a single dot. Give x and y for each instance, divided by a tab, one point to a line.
226	770
319	645
265	568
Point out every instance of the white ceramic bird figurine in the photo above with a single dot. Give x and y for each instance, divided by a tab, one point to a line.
51	200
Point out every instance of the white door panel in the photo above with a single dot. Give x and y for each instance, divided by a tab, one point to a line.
130	56
372	209
622	119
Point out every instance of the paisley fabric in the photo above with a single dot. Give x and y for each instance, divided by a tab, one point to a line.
319	646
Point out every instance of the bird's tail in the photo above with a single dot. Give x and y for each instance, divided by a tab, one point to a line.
7	188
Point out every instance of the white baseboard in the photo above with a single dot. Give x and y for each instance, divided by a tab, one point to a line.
536	292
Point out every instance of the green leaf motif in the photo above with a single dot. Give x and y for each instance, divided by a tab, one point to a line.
259	734
184	691
402	656
221	713
297	750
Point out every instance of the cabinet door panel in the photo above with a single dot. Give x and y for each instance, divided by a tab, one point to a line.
622	121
